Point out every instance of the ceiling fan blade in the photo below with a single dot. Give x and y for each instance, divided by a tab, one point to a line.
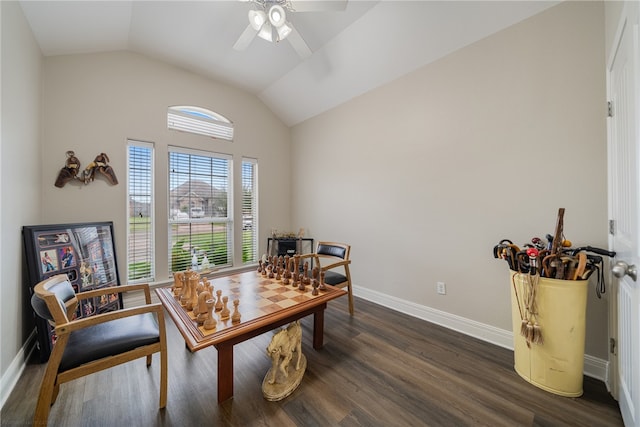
298	43
245	38
318	5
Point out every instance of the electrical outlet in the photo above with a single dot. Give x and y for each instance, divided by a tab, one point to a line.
441	288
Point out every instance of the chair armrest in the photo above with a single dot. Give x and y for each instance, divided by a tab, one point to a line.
86	322
334	262
314	256
117	289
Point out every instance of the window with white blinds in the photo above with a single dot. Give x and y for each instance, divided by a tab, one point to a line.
199	121
249	210
140	265
200	210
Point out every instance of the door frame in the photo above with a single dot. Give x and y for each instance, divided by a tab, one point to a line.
629	13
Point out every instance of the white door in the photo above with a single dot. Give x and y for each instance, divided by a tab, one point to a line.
624	188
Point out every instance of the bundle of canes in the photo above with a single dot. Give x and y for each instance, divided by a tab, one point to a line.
533	329
527	307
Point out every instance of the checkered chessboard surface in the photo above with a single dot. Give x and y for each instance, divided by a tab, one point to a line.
258	296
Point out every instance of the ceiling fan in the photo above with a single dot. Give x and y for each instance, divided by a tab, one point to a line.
268	20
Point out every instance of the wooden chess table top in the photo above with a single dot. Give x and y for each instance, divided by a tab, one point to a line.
264	303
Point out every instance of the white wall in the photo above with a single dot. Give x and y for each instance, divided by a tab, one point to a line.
19	182
93	103
423	176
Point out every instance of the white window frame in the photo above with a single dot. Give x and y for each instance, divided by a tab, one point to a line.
150	246
254	211
190	222
200	121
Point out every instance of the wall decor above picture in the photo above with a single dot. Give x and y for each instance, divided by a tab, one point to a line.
71	170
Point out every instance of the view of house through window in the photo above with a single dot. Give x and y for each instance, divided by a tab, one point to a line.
140	265
200	204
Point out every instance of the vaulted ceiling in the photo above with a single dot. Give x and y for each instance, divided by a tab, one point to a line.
354	50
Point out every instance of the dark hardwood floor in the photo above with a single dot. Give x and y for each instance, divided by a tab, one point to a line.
379	368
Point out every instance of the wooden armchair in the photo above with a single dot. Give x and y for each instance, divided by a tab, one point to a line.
91	344
330	256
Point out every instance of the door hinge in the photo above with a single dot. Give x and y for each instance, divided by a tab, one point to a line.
612	227
612	345
609	109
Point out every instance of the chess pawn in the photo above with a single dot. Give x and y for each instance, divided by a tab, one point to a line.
178	278
219	300
322	287
301	285
199	287
305	274
224	314
296	279
260	267
202	307
291	271
278	272
211	322
235	316
314	282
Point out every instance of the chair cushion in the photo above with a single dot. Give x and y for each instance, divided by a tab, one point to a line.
63	291
333	278
109	339
336	251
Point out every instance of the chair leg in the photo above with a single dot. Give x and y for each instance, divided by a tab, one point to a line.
163	378
350	299
149	359
46	397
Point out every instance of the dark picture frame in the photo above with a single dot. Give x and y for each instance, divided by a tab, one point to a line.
85	252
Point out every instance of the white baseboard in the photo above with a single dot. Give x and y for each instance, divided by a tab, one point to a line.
593	366
12	375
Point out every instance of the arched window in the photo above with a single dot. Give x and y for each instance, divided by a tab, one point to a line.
200	121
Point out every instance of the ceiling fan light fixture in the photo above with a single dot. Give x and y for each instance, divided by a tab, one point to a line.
266	32
277	15
257	19
283	31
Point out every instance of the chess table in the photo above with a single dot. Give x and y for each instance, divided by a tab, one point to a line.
265	304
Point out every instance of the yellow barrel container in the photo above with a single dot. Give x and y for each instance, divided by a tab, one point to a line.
555	365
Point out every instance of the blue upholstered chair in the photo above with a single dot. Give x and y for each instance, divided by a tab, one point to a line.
91	344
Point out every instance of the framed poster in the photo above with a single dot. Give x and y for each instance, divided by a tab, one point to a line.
85	252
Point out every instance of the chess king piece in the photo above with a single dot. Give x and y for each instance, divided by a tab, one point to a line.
284	377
